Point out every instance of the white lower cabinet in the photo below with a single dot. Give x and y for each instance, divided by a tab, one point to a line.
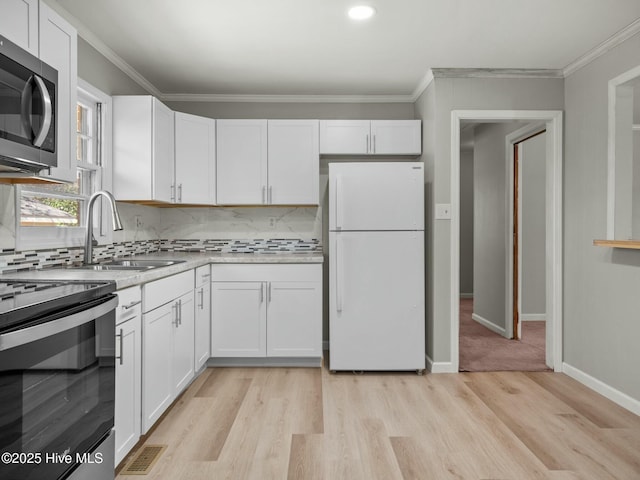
266	310
168	343
202	299
128	371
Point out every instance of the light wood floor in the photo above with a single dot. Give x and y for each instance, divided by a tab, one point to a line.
288	423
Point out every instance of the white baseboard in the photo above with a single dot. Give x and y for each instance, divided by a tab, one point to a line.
602	388
490	325
439	367
531	317
466	295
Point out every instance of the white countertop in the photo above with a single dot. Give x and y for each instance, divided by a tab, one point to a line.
128	278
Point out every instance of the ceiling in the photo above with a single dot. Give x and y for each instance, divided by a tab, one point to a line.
311	47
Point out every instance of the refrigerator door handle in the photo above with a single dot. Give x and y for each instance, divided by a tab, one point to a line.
338	198
339	279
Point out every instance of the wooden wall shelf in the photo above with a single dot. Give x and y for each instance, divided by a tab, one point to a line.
632	244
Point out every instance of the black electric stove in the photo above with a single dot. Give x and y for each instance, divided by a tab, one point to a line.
24	302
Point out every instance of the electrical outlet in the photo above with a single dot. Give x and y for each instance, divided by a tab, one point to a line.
272	222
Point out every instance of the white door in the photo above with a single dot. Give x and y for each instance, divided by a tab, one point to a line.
294	162
195	159
157	389
294	319
19	23
376	301
396	137
163	155
344	137
202	324
241	162
59	49
376	196
239	317
128	377
183	347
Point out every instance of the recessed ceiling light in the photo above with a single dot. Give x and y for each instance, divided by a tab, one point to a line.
361	12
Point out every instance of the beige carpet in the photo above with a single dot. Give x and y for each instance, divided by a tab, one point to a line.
482	350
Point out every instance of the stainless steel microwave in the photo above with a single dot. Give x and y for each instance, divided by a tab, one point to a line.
28	111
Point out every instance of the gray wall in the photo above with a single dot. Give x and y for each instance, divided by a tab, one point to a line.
601	301
466	221
532	240
490	227
465	93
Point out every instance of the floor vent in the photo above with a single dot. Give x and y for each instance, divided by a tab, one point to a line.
144	460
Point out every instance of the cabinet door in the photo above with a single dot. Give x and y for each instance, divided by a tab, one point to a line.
19	23
241	162
59	48
202	325
399	137
183	335
157	363
238	324
294	162
163	187
344	137
128	373
195	159
294	319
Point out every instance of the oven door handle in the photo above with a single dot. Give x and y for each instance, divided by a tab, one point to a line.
28	335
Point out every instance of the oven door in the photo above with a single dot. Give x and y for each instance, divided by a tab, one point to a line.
57	390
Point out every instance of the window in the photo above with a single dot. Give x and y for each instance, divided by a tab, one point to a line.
53	215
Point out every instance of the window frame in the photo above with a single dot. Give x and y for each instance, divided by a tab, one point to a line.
30	238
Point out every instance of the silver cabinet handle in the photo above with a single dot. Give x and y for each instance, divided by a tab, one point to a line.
339	280
180	193
261	292
374	144
206	275
180	309
201	292
269	292
367	144
338	192
173	192
174	308
264	190
120	337
132	304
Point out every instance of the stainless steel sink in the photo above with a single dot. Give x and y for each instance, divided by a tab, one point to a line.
128	264
143	263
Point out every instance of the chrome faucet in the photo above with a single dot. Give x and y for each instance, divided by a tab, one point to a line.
117	224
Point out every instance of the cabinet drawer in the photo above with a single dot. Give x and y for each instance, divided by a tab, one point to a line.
162	291
129	304
203	275
309	272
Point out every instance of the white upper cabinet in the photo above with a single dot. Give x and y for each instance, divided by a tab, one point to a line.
242	162
344	137
19	23
59	48
370	137
195	170
143	149
294	162
274	162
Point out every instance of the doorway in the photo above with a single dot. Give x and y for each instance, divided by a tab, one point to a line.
552	122
486	341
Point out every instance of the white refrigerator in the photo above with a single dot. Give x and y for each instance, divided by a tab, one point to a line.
377	269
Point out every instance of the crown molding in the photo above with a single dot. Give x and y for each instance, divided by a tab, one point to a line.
496	73
189	97
609	44
423	85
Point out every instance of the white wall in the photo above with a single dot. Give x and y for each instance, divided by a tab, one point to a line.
601	301
532	240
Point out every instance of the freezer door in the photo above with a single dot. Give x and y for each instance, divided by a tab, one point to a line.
376	196
376	301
